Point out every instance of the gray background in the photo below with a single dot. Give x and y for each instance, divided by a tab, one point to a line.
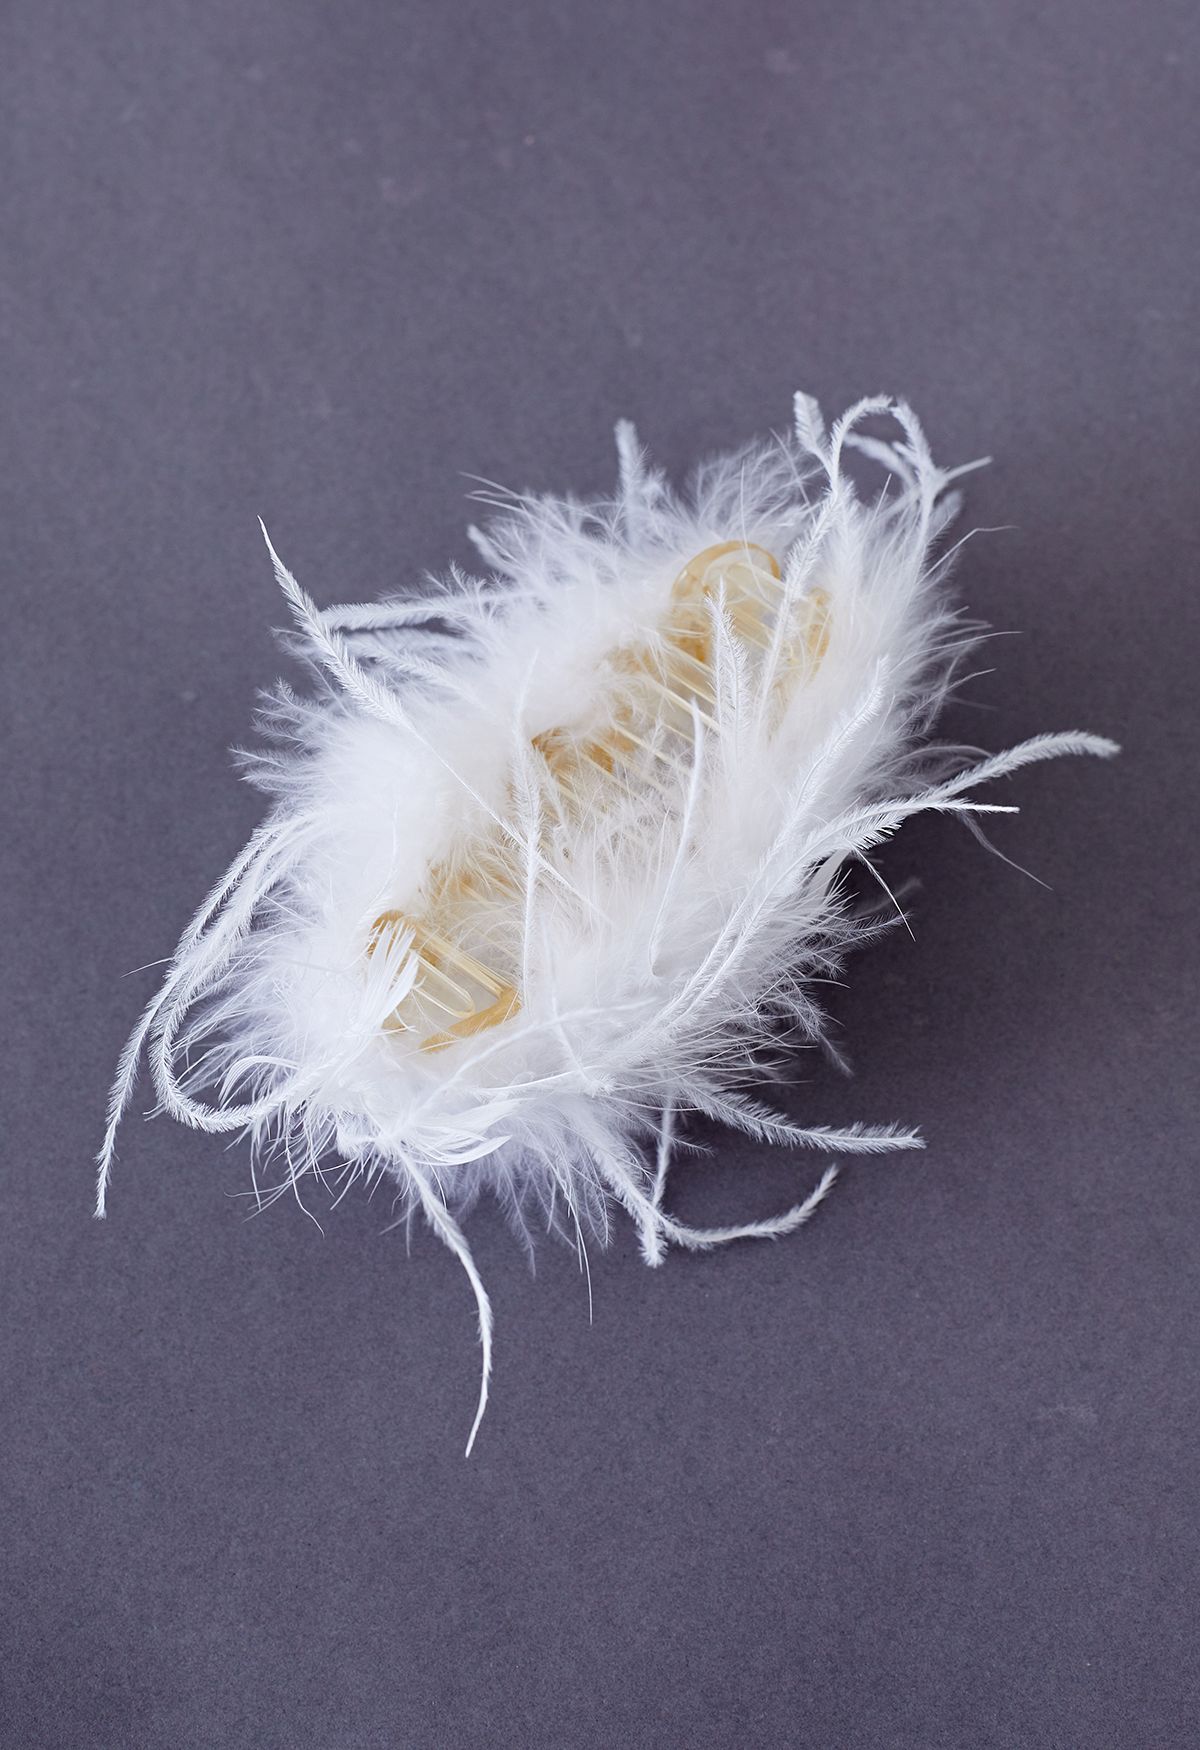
923	1475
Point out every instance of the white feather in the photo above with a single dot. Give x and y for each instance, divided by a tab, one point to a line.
661	932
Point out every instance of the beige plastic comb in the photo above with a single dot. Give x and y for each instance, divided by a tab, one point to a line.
655	693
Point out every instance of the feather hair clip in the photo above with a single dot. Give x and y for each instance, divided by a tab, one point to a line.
553	857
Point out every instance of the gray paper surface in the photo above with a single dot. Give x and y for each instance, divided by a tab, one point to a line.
923	1475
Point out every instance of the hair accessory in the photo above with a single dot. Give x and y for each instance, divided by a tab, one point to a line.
554	858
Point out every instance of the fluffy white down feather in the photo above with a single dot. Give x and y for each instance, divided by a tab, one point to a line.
660	943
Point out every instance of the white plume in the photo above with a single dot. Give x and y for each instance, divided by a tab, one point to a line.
553	858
